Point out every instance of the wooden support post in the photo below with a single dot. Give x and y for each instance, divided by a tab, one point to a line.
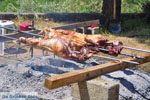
91	72
17	50
31	50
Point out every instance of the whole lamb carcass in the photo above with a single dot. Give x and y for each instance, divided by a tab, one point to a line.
78	40
59	46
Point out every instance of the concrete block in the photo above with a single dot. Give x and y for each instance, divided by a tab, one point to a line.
96	89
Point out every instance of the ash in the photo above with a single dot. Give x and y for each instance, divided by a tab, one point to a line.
29	76
134	84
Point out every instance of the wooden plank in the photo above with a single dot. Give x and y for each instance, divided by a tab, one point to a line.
91	72
76	25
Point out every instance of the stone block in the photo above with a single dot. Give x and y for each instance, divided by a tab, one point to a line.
96	89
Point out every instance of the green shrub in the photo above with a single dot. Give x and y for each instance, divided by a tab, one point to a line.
128	6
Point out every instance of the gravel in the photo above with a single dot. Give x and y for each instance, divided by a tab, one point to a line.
29	76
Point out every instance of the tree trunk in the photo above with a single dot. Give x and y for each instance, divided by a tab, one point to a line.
108	10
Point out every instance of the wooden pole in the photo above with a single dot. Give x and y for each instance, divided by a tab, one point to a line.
89	73
114	11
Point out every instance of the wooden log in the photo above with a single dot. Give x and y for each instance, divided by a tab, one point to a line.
91	72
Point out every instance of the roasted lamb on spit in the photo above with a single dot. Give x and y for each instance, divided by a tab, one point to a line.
69	44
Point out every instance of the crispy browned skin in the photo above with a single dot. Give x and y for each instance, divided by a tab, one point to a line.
78	40
70	35
69	44
59	46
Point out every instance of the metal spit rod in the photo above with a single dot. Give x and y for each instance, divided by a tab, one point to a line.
134	56
125	54
7	37
148	51
30	33
115	59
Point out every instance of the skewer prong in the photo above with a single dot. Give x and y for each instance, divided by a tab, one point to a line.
148	51
115	59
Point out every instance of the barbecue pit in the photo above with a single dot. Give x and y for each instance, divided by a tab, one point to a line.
131	61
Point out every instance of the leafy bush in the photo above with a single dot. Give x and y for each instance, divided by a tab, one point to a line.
128	6
146	7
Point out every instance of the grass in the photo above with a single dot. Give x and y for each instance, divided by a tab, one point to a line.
132	6
45	6
80	6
